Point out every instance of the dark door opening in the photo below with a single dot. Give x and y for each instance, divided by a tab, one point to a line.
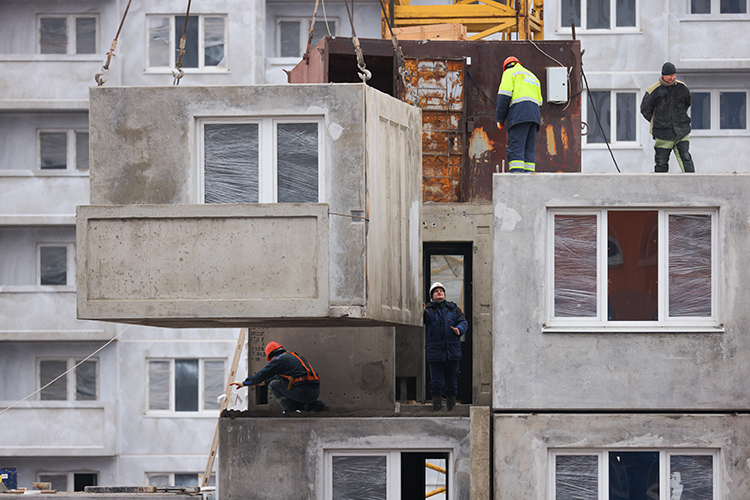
451	265
423	473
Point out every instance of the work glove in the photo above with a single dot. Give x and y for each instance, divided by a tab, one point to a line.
500	126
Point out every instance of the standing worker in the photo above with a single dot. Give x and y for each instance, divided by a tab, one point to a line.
444	324
293	382
519	101
665	105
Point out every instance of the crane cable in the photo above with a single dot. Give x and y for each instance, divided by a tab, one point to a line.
402	71
364	74
98	78
177	71
306	56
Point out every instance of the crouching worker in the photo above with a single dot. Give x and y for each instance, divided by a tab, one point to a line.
290	378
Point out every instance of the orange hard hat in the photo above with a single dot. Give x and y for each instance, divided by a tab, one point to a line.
272	346
509	60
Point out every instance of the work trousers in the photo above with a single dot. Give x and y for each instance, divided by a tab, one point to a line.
521	147
443	374
300	397
662	149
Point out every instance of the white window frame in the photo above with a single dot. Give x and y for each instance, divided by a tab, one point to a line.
304	27
613	28
715	10
600	322
715	118
592	123
71	362
71	263
664	467
71	32
174	44
71	154
171	412
268	152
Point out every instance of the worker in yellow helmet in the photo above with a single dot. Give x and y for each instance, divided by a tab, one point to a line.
519	101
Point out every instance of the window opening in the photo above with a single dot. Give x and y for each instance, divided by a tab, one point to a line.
733	110
598	14
53	265
700	111
77	385
292	35
621	105
67	35
63	150
185	385
360	477
162	479
205	41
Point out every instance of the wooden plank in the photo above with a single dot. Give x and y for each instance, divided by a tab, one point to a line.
224	404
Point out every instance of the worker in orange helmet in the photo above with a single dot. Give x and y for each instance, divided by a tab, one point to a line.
519	101
291	380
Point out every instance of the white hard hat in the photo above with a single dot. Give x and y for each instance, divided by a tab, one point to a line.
435	285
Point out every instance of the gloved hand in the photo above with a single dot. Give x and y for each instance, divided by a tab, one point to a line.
238	384
500	126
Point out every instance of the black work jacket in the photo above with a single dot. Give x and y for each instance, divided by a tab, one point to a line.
441	343
666	106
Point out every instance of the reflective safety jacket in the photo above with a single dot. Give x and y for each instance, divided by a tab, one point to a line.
519	97
288	365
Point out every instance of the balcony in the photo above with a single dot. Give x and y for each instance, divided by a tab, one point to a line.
187	225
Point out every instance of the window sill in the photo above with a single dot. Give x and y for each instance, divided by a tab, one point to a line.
43	173
187	71
648	329
603	147
183	414
86	58
720	133
37	289
616	31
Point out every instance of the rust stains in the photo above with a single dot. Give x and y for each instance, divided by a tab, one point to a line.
479	143
551	146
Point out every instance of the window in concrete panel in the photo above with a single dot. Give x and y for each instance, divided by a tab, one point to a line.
83	479
576	477
86	376
700	111
360	477
733	110
659	268
85	35
53	150
59	481
690	265
733	7
575	263
633	475
53	35
626	116
297	162
82	150
292	35
691	477
177	479
625	13
53	265
205	42
159	41
622	105
186	384
598	14
52	372
231	163
262	160
700	6
190	32
571	13
78	384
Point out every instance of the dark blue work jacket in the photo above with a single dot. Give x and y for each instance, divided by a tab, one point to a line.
441	343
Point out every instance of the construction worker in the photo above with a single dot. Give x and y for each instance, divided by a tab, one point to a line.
519	101
444	324
665	105
292	380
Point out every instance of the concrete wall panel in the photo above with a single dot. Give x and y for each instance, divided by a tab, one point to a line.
646	367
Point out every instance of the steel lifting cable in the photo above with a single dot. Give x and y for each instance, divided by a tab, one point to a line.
177	71
402	71
306	56
98	78
364	74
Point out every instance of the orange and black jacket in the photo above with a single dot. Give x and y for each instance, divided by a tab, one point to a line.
288	365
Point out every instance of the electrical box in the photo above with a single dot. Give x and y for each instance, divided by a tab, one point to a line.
557	84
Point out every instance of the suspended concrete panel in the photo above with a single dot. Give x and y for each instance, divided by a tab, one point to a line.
271	205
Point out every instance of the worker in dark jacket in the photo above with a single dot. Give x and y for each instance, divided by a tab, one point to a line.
519	101
292	380
444	324
665	105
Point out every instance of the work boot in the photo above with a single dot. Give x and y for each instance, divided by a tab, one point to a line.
317	406
451	402
437	403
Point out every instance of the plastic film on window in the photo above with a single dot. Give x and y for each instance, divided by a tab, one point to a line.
230	163
359	478
158	41
213	384
48	371
576	477
575	265
86	381
53	35
158	385
297	145
690	265
691	477
86	35
213	28
53	264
